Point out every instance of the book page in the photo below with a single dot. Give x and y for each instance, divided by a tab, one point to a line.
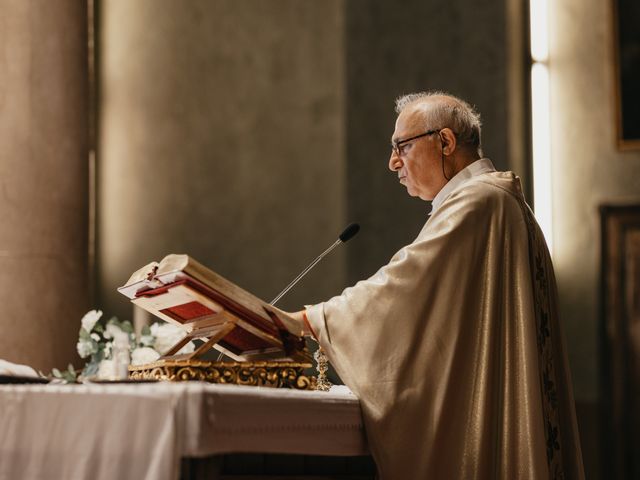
141	274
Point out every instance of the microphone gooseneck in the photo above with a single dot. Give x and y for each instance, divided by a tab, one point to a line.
346	235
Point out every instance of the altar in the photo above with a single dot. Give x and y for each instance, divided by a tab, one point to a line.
170	430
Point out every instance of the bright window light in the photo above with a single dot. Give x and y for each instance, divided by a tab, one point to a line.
541	149
540	117
539	30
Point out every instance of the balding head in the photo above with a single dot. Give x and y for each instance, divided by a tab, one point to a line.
437	110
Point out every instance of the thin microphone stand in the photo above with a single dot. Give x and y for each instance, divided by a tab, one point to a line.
305	271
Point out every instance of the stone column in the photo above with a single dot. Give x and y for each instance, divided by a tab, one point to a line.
43	180
221	136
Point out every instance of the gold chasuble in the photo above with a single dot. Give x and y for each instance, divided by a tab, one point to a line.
455	350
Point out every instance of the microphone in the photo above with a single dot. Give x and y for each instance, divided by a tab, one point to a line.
346	235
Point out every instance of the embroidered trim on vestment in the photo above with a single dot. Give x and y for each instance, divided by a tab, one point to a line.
548	381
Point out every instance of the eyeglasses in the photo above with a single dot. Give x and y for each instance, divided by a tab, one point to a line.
396	146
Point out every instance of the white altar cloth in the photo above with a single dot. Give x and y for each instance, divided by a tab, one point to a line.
122	431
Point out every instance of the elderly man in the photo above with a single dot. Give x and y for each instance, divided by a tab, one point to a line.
454	346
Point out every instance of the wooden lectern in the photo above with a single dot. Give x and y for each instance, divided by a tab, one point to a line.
263	341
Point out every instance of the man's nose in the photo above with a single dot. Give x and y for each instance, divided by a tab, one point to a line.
395	162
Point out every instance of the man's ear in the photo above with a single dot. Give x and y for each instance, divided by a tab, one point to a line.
448	141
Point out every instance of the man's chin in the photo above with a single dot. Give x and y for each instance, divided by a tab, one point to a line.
424	196
414	193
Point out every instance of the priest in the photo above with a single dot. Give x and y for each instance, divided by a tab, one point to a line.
454	347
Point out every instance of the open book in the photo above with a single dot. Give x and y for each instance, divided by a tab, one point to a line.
207	306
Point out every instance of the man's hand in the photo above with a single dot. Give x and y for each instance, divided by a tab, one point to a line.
299	319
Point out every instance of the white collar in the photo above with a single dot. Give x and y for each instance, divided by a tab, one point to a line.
484	165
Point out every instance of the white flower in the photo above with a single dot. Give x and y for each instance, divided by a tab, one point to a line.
143	355
167	335
85	348
121	339
188	348
95	336
112	331
106	370
147	340
90	319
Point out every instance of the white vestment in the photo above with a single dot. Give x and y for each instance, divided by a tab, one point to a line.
454	347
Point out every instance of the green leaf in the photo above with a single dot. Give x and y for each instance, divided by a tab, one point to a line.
146	331
56	373
70	375
84	335
126	326
98	356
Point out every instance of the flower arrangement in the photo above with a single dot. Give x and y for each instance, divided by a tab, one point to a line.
110	345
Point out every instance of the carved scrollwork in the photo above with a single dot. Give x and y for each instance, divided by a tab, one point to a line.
267	374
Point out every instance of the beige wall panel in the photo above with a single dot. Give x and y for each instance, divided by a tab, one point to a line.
43	180
588	170
221	136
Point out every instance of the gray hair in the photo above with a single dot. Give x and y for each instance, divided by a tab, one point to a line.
446	111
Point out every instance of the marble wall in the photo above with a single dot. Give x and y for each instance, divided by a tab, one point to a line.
43	180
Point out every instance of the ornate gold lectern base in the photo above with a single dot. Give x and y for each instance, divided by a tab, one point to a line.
257	373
